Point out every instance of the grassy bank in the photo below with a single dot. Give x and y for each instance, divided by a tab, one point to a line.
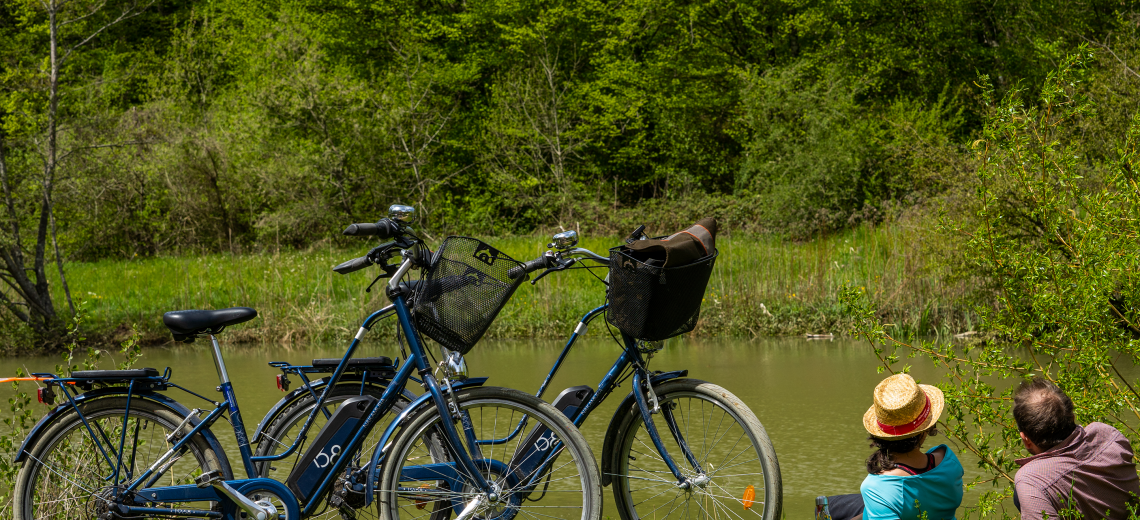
761	286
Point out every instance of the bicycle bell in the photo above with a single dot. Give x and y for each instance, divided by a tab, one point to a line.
402	214
564	240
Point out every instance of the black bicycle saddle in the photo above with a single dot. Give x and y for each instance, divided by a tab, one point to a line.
187	324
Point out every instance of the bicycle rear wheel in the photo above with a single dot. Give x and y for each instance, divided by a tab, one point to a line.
66	475
536	460
741	476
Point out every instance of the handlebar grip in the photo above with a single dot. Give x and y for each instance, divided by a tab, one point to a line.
527	267
353	265
383	229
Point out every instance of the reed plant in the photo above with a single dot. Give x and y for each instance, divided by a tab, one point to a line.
762	285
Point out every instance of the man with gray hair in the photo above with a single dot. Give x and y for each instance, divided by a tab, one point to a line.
1071	468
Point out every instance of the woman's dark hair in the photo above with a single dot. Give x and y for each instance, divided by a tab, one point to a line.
881	461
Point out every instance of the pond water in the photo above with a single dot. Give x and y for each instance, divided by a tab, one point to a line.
810	395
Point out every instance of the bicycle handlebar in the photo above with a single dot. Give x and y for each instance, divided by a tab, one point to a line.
353	265
375	256
529	267
586	253
383	229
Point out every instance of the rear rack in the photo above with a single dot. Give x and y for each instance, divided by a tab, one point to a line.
382	367
141	378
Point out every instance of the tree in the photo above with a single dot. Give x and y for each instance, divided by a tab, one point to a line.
35	139
1056	242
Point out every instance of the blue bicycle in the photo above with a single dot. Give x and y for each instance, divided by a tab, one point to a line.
716	460
117	447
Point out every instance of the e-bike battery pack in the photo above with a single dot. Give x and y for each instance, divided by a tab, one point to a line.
534	449
321	457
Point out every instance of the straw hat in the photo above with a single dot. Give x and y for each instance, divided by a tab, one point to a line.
903	408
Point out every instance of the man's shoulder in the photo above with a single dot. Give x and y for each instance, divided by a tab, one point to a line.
1106	442
1099	430
1042	471
1096	444
1034	473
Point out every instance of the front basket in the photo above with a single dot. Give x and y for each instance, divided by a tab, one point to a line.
655	303
462	291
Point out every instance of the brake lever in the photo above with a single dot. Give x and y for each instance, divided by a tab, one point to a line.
377	279
389	270
559	267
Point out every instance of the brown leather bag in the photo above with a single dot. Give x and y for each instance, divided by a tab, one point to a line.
681	248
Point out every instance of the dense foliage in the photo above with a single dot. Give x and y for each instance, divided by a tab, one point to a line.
1052	226
211	125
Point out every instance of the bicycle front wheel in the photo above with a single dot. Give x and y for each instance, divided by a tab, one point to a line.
738	477
69	475
538	464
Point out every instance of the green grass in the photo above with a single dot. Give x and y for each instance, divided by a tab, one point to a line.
299	297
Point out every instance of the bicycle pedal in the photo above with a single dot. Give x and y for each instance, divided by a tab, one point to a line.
346	511
208	478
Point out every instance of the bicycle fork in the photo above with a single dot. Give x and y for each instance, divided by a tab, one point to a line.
647	405
643	394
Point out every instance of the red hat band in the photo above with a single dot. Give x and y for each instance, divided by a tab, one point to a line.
909	427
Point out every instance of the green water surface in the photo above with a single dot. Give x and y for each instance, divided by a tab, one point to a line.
810	395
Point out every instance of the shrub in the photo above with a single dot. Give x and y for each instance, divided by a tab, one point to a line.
1055	234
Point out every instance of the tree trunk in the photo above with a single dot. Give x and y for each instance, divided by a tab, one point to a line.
8	303
52	157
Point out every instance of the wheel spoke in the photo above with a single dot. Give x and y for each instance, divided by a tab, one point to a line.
62	479
644	485
560	485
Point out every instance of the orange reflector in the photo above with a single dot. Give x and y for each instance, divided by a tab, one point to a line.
749	496
422	501
15	379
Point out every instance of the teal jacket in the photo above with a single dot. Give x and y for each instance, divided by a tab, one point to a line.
938	492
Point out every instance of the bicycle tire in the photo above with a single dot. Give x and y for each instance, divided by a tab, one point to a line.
561	501
68	454
656	494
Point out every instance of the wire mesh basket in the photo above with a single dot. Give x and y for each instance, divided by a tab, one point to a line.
655	303
462	291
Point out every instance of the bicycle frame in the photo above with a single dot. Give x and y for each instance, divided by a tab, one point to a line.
630	356
191	493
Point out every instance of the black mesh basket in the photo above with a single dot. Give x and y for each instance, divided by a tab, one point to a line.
655	303
462	291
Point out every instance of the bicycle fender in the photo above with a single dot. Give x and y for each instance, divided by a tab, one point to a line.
116	391
318	385
626	405
421	402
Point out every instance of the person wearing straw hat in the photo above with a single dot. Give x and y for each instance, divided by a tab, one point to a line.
903	482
